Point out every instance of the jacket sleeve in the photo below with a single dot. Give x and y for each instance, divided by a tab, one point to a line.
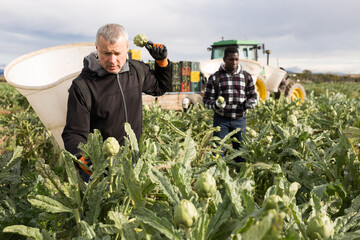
77	127
209	95
251	95
157	81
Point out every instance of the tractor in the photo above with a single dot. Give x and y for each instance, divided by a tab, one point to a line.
269	80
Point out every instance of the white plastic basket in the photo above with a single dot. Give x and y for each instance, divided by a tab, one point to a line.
44	77
273	78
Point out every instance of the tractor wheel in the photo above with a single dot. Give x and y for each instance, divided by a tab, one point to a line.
295	91
261	89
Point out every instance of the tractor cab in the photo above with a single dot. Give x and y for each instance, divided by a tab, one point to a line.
247	49
269	79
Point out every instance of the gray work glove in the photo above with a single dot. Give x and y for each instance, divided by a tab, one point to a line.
251	103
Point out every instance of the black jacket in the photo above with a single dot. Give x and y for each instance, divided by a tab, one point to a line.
112	104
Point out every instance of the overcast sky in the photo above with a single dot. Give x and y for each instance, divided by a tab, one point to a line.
317	35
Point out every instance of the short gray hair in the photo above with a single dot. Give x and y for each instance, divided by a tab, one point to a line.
111	33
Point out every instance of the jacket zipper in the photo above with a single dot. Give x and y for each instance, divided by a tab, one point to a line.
123	97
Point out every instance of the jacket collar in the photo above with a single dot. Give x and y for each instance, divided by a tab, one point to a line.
238	70
92	63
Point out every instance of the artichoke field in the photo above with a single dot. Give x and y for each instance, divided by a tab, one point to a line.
301	178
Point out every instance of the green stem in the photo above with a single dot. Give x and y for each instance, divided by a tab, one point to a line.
174	128
188	233
111	172
77	220
166	153
205	205
127	203
147	237
300	226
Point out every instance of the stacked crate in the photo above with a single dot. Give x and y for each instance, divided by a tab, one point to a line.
176	77
134	54
195	85
151	64
185	76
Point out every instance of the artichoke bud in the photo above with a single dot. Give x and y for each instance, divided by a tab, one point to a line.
221	99
320	226
140	40
146	107
356	164
252	133
273	202
292	120
154	128
267	140
205	185
111	147
185	214
334	113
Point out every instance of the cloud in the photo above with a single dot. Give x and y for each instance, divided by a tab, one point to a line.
296	31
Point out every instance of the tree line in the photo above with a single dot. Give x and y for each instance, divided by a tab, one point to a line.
307	75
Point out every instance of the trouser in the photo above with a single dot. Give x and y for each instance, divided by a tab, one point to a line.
226	126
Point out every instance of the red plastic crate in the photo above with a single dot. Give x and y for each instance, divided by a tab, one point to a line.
185	87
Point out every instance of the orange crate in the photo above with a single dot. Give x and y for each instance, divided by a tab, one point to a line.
185	71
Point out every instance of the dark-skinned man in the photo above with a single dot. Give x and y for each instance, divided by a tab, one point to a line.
237	88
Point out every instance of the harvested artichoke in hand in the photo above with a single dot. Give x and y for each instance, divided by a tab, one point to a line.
140	40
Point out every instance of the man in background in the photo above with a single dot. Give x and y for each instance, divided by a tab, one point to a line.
237	93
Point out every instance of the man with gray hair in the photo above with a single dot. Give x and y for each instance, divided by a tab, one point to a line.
115	85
